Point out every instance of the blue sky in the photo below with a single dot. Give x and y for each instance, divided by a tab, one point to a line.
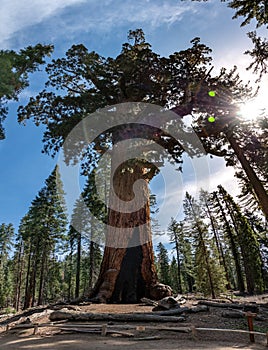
102	26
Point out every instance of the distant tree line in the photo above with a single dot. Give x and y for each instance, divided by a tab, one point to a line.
47	260
219	246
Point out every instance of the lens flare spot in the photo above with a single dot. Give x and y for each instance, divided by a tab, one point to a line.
211	119
212	93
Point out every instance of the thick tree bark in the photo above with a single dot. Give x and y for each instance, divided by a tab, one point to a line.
128	271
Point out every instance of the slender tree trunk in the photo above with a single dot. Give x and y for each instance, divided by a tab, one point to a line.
222	257
218	245
91	264
178	264
243	243
205	251
19	276
253	178
33	283
78	266
41	279
27	295
70	274
212	289
233	245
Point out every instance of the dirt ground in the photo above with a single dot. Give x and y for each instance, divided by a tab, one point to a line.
144	337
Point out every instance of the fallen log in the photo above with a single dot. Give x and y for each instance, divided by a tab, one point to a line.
86	316
81	330
179	329
233	314
222	305
198	308
149	302
172	312
156	337
166	303
180	310
20	317
241	314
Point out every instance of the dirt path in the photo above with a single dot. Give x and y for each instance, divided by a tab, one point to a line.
56	339
89	342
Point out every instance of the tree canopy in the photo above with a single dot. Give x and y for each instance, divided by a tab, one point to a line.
14	73
250	10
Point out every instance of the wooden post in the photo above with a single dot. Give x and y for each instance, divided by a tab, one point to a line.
104	330
35	329
194	332
250	316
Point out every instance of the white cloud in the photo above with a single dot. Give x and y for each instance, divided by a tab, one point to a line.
85	15
153	13
16	15
171	189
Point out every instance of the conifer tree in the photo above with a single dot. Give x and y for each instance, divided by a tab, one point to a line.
175	232
18	268
209	277
15	68
76	235
173	272
163	264
45	225
184	254
247	240
250	9
207	203
83	82
233	243
6	237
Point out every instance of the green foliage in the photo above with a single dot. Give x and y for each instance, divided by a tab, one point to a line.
173	272
251	9
209	274
259	54
42	232
6	237
14	72
163	264
86	81
83	82
249	245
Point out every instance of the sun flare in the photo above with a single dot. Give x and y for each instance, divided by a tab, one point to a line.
253	108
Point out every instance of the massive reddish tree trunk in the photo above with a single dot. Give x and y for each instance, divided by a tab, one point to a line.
128	271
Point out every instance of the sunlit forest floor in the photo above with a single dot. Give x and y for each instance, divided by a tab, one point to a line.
144	337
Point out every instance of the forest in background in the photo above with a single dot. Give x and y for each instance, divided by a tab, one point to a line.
219	247
221	244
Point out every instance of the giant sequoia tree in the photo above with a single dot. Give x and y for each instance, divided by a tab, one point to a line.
86	82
